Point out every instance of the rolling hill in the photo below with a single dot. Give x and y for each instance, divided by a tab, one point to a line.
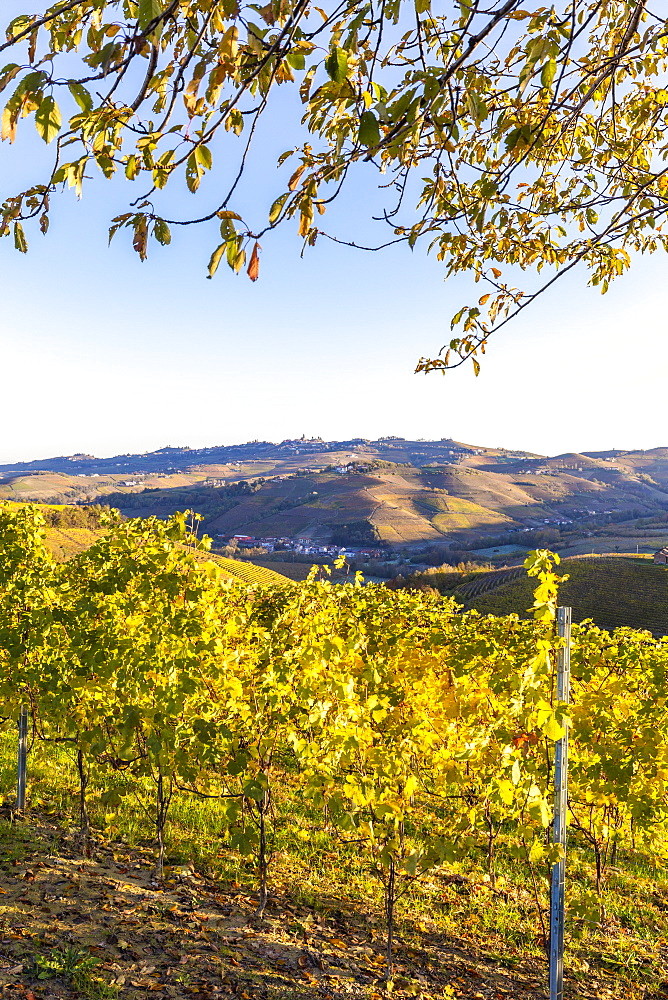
393	491
265	456
399	504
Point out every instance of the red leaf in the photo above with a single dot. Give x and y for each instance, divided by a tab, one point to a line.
254	266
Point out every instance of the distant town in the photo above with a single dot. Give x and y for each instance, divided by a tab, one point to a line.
300	546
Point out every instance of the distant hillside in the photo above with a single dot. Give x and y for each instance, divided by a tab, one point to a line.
492	502
67	542
70	530
400	505
613	592
289	454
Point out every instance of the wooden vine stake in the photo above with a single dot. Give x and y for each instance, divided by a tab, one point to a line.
557	895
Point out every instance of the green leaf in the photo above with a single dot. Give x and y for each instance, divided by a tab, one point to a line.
548	73
369	133
19	24
162	232
236	258
411	863
161	171
238	764
336	64
203	157
132	167
7	74
20	241
81	96
255	788
48	119
194	173
148	11
275	210
296	60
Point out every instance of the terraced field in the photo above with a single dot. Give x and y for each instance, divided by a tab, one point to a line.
248	571
294	571
611	591
460	514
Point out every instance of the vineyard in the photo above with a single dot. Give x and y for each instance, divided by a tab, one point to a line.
249	572
67	542
354	777
487	582
611	591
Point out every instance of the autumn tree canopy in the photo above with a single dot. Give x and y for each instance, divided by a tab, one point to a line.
506	135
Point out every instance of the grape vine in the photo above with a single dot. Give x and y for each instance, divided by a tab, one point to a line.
421	734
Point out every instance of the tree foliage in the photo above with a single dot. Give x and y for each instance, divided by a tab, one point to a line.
508	138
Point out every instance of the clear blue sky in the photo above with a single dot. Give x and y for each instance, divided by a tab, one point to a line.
105	354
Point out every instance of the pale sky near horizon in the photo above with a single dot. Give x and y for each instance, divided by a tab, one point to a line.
104	354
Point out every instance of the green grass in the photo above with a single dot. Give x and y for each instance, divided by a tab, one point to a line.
75	965
611	591
314	869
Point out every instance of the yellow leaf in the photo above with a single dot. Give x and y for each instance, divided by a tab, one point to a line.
294	180
8	125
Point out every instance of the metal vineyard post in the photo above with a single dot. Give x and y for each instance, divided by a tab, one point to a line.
560	809
22	760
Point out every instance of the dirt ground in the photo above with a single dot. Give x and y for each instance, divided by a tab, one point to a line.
192	937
